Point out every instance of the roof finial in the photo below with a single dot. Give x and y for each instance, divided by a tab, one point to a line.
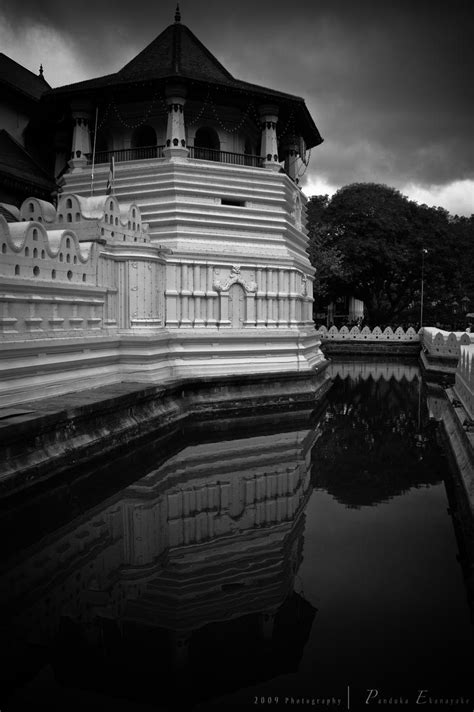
177	14
41	70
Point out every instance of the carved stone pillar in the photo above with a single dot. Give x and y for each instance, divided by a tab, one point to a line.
175	132
81	140
269	145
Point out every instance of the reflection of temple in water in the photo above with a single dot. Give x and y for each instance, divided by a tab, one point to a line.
192	565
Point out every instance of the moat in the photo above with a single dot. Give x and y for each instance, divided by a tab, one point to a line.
310	558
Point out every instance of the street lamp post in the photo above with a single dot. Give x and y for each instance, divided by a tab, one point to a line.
423	253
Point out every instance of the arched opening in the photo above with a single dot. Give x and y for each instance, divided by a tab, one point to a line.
206	144
144	141
250	153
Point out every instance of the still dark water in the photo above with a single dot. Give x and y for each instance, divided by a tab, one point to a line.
304	559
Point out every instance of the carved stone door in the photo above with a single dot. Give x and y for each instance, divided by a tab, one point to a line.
236	306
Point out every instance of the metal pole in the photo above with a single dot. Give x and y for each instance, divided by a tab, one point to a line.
422	284
93	150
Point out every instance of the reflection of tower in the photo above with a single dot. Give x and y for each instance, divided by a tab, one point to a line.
233	519
204	548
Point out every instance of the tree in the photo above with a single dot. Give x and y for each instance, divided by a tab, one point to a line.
323	253
378	235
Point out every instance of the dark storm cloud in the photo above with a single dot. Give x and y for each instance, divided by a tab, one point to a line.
389	84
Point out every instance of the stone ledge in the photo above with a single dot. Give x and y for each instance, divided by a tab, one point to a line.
65	431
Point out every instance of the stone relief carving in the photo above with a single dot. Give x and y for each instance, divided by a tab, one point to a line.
296	213
304	285
235	277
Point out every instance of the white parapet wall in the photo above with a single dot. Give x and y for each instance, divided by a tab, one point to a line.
464	383
444	344
367	334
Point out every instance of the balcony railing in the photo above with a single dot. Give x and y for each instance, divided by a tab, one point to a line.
239	159
204	154
128	154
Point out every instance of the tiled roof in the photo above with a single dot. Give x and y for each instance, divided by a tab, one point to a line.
21	79
16	163
178	53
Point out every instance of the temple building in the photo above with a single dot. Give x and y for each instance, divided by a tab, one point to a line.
178	197
26	161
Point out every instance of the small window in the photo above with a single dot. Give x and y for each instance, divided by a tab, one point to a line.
53	274
234	203
83	277
31	208
75	260
36	271
61	257
60	218
35	234
43	254
4	248
68	242
69	217
111	206
69	275
78	217
35	252
133	213
17	270
116	221
68	257
27	251
69	203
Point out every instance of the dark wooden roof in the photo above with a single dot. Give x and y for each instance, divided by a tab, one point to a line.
17	164
178	54
21	79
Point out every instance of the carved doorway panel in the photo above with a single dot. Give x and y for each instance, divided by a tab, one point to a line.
236	306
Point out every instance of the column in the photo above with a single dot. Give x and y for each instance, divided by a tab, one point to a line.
81	140
199	295
250	310
293	297
261	321
269	145
175	132
211	317
291	158
184	296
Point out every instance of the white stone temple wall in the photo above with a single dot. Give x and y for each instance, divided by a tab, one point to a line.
192	268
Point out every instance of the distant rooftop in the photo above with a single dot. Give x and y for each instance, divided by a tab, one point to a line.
21	79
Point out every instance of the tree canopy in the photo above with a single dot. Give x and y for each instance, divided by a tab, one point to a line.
369	241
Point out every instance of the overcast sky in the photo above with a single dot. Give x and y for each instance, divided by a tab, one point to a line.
389	84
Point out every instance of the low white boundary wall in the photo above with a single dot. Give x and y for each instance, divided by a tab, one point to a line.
366	334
